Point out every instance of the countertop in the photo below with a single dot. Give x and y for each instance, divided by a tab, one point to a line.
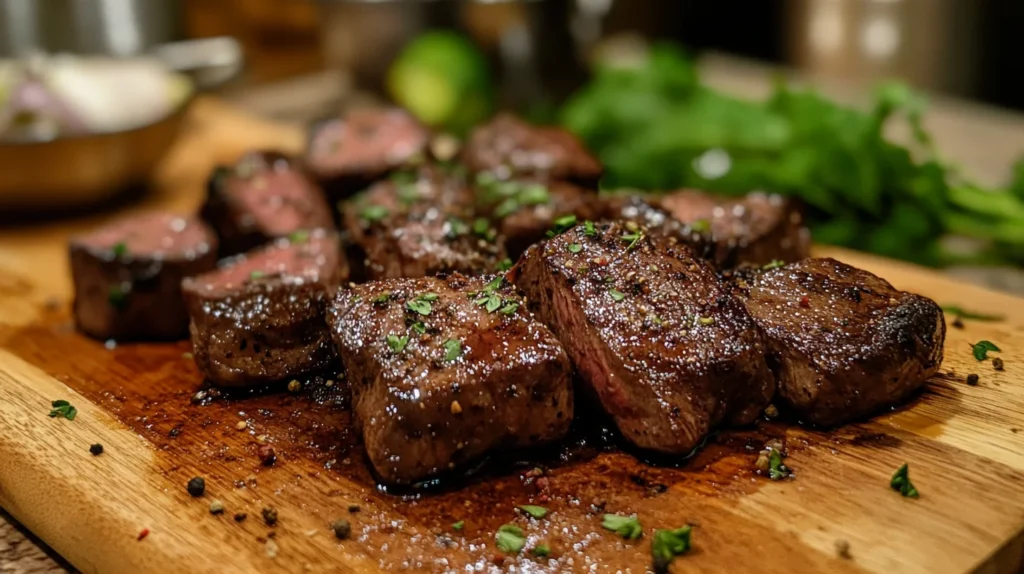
984	140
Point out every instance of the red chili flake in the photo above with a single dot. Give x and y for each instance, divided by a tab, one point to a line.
542	483
143	534
543	498
804	302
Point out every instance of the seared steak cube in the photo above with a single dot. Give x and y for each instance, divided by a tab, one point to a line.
128	275
646	211
349	153
526	209
509	147
260	317
419	227
845	343
755	229
445	370
262	197
652	331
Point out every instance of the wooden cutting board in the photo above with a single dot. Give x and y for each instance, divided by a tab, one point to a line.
964	444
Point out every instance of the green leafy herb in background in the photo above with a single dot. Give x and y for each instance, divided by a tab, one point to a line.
667	545
657	127
964	314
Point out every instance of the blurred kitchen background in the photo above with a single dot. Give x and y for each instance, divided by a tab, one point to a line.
669	93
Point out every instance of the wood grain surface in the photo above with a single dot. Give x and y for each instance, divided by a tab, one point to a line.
964	444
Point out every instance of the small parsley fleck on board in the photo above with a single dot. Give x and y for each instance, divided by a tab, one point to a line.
616	294
300	236
397	343
773	264
964	314
541	551
776	469
901	482
627	527
120	249
452	349
458	526
667	545
63	409
373	213
981	349
534	511
575	248
562	224
510	539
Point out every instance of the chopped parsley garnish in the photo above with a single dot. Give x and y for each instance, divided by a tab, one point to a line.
372	213
397	343
117	297
510	539
575	248
963	314
541	551
701	226
627	527
459	525
632	238
452	349
421	304
62	408
509	308
588	228
120	249
481	227
456	227
773	264
513	195
419	327
562	224
667	545
616	294
981	349
429	296
901	482
494	284
382	298
776	469
537	512
300	236
489	301
505	264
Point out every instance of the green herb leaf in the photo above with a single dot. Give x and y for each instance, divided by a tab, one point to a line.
419	306
452	349
456	228
981	349
300	236
482	227
459	525
776	469
429	297
381	299
533	194
419	327
667	545
509	308
901	482
632	238
588	228
494	284
506	208
62	408
562	224
774	264
510	539
120	249
505	264
575	248
397	343
256	275
616	294
701	226
627	527
537	512
372	213
541	551
963	314
492	303
706	320
117	297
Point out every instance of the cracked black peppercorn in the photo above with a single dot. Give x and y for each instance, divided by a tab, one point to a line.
342	528
96	449
972	379
997	364
270	515
197	486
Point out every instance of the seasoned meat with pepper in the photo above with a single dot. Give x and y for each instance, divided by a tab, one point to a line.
646	211
419	225
651	330
524	210
844	343
262	197
444	370
757	228
260	317
128	275
509	148
349	153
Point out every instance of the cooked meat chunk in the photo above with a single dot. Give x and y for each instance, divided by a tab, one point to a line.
347	154
509	147
844	342
646	211
445	370
524	210
262	197
128	275
260	317
652	331
416	227
757	228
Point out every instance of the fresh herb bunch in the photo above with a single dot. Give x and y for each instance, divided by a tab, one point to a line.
656	127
